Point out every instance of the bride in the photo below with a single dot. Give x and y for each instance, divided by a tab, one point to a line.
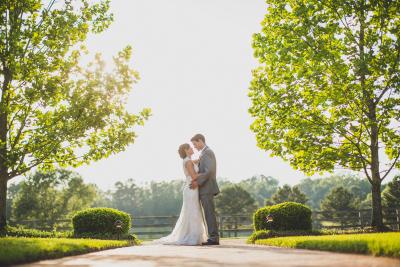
190	227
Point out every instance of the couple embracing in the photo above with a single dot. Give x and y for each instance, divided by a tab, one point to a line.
197	222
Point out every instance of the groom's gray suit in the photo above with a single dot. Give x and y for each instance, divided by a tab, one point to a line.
208	188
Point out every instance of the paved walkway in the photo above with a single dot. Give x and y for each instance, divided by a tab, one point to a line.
230	253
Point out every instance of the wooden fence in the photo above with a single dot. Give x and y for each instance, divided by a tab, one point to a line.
150	227
353	219
147	227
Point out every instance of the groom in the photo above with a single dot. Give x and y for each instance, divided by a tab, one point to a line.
208	187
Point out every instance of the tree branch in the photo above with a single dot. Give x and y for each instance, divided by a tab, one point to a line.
345	23
37	27
393	69
360	154
391	167
23	123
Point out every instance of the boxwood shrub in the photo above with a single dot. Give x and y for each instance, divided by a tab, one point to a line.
20	231
287	216
96	222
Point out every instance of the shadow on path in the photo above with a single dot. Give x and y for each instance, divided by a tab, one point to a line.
229	253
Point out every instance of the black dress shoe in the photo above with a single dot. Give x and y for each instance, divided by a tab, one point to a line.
210	243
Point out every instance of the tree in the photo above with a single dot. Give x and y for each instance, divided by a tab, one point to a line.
367	202
224	182
163	198
317	189
54	112
260	187
103	198
391	194
11	194
280	196
326	94
285	194
52	195
234	200
128	197
339	200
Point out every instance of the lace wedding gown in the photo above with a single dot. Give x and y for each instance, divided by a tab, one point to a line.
190	227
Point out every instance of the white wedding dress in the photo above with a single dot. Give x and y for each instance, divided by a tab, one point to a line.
190	228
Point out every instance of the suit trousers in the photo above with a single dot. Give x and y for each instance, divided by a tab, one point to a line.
207	201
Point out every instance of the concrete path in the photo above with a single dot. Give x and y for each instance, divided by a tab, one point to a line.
230	253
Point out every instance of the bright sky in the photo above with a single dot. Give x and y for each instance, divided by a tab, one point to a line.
195	60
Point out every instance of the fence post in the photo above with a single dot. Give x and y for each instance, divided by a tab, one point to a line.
398	219
360	219
221	226
236	227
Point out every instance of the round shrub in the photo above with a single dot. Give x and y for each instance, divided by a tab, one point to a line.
287	216
100	222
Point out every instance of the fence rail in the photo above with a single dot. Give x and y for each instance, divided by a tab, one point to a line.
229	225
147	227
348	219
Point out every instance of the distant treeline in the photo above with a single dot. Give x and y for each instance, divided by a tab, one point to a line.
58	194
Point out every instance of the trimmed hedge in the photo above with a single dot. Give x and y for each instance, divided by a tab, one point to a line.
108	236
98	222
25	232
287	216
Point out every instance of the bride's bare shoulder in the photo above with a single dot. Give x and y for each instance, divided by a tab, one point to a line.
188	163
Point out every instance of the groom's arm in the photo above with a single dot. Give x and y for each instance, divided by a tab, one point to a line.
208	163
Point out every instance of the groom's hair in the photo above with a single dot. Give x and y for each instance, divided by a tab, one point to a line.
198	137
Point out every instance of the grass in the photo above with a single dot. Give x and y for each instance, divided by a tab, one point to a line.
265	234
377	244
20	249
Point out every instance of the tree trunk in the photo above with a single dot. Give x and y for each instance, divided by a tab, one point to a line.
369	100
3	204
3	173
377	220
3	146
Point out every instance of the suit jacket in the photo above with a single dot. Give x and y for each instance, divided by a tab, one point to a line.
207	179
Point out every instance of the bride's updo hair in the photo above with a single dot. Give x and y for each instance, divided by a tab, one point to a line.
182	150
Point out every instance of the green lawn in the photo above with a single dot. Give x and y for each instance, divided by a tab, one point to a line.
20	249
377	244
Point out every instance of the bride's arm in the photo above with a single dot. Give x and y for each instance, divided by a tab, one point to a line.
192	172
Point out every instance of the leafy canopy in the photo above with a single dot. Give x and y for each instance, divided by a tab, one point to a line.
326	93
391	194
52	110
234	200
317	189
287	194
339	199
50	196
